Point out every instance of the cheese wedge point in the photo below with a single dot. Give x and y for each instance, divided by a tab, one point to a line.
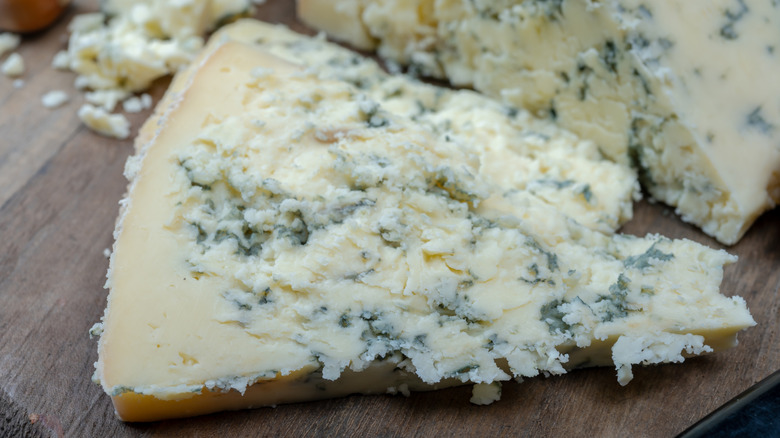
286	238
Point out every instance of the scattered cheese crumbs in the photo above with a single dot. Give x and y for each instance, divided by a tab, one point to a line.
13	66
107	99
136	104
54	99
107	253
104	123
131	43
485	393
18	83
8	42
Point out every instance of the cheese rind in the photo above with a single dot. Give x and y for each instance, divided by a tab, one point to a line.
287	238
656	85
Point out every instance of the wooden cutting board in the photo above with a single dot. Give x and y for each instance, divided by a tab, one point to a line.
59	188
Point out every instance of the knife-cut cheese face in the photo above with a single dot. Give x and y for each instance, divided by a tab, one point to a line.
288	237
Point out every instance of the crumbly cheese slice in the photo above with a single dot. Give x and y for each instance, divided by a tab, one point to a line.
660	85
283	240
520	151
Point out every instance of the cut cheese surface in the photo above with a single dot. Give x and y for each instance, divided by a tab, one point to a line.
514	148
288	237
685	92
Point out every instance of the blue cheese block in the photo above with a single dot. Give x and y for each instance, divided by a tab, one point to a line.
684	92
287	238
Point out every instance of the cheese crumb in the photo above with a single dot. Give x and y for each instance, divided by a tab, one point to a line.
61	60
8	42
146	100
86	22
653	349
402	389
54	99
132	105
107	99
13	66
103	122
485	393
123	49
136	104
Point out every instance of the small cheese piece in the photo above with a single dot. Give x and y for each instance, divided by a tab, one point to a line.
131	43
103	122
61	60
13	65
137	104
655	84
54	99
8	42
285	238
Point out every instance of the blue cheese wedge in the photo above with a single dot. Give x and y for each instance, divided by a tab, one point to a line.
285	238
658	85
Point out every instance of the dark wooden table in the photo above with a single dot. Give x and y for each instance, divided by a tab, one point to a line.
59	188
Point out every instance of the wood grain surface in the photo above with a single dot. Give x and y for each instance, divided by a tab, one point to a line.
59	188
